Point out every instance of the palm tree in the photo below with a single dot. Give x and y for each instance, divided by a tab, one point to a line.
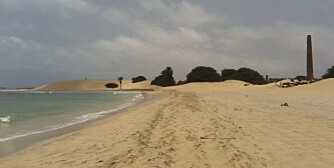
120	82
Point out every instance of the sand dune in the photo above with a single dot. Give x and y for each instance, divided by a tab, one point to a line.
93	85
230	85
203	125
323	87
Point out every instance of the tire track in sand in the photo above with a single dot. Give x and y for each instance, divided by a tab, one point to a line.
189	131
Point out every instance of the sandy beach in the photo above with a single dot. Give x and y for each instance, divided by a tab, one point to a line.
204	125
94	85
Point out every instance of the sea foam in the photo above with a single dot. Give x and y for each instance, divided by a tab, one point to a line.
76	120
5	119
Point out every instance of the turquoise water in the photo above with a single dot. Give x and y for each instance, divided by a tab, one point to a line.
28	113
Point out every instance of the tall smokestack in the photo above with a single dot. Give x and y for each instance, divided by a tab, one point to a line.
309	70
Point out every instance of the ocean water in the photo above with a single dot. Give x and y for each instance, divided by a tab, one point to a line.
28	113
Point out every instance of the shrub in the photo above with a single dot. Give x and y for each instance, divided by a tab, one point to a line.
165	78
203	74
138	79
226	74
329	73
111	85
244	74
301	78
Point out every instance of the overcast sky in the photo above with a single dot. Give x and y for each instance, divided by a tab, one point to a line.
42	41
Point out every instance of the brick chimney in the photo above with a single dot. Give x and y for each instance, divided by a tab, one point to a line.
309	68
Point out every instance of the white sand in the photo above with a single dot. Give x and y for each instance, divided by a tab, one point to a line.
94	85
203	125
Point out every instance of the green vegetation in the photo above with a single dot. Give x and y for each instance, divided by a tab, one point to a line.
226	74
243	74
329	73
203	74
165	78
111	85
138	79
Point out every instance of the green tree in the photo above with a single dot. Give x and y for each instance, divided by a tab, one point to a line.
138	79
248	75
226	74
329	73
165	78
243	74
120	79
203	74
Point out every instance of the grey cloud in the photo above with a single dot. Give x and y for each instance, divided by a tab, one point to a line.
179	37
43	41
182	13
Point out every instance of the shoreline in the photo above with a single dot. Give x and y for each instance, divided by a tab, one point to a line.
202	125
12	146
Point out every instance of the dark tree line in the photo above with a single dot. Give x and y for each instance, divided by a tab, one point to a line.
209	74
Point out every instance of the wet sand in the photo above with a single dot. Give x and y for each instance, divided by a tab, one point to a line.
12	146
